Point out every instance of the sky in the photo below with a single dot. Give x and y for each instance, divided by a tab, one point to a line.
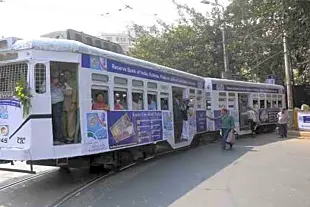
32	18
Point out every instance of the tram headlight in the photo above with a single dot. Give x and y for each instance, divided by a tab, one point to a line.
4	130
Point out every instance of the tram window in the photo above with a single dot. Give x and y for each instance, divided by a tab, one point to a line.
78	38
222	94
255	104
192	91
262	104
137	100
40	78
152	85
231	94
199	102
199	92
99	77
280	104
98	44
268	104
208	94
120	81
89	41
152	101
231	103
137	83
208	104
164	101
120	100
100	99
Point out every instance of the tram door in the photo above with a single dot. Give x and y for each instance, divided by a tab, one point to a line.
178	94
243	99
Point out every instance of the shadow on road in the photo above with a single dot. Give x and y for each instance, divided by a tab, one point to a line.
162	182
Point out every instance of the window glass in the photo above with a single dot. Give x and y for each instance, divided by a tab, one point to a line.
255	104
100	99
262	104
99	77
40	78
152	101
164	102
120	100
152	85
280	104
199	102
268	103
137	83
137	100
208	104
120	81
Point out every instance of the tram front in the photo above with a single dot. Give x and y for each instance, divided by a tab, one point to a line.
24	110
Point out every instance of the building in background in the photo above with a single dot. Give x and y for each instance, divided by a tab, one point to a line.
123	39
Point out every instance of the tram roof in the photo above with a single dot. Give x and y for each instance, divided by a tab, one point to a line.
245	83
63	45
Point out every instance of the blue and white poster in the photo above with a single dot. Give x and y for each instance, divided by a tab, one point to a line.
97	134
168	131
304	120
134	127
201	121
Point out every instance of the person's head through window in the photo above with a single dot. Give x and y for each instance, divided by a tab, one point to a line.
136	98
67	75
99	103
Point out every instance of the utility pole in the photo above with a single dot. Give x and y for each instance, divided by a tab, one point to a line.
288	78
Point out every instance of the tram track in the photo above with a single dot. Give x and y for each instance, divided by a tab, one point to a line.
24	180
96	180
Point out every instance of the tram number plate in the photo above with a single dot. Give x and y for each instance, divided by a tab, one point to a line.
4	140
21	140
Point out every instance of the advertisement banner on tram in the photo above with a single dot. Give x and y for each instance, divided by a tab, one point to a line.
134	127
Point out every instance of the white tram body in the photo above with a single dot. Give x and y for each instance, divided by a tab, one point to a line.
236	96
30	137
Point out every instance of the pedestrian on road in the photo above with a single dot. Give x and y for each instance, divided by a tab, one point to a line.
282	121
227	125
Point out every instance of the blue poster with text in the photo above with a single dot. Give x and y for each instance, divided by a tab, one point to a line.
201	121
134	127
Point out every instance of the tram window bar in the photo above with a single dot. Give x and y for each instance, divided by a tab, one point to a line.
152	85
40	78
192	91
137	83
99	77
120	81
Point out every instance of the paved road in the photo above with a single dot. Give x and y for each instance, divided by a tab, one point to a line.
264	171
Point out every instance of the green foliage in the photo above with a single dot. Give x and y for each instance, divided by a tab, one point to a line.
254	40
23	93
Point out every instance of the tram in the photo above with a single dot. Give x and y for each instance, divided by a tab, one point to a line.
141	99
237	96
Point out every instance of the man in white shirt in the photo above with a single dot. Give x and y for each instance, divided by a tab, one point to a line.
57	98
253	119
136	103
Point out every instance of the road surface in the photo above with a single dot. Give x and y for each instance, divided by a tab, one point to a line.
264	171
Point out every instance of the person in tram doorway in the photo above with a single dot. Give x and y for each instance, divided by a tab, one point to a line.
70	106
185	109
177	117
253	120
283	119
57	97
227	125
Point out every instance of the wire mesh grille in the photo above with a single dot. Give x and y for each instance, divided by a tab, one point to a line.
9	75
40	77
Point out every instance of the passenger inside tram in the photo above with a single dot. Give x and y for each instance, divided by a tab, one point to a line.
137	101
64	97
99	103
151	99
120	99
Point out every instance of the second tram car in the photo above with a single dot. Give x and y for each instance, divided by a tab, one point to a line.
236	96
